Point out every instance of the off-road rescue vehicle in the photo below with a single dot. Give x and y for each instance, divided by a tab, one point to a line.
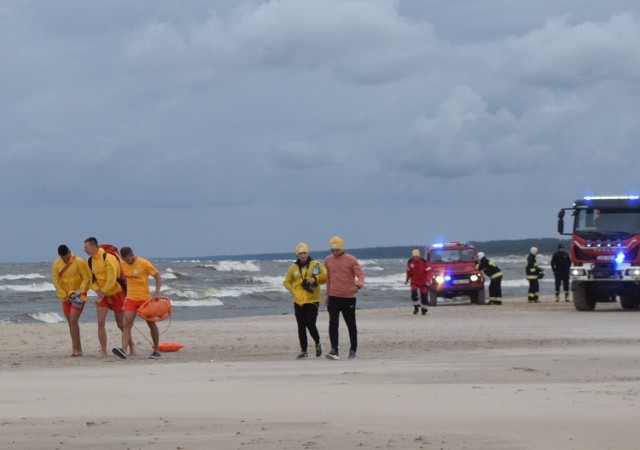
451	272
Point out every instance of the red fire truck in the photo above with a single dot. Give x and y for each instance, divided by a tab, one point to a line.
451	272
605	240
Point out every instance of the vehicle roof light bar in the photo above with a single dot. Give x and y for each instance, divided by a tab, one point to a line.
613	197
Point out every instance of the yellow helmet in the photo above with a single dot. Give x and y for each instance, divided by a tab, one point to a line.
336	243
415	252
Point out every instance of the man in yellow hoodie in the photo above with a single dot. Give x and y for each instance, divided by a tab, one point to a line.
303	280
105	268
71	277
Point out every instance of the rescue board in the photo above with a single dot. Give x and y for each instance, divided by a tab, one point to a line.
170	346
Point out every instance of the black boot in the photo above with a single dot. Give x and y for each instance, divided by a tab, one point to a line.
416	308
424	311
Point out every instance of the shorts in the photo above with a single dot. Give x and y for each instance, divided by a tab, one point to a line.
67	306
113	302
133	305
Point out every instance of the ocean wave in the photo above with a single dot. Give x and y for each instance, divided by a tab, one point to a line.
512	283
192	293
34	287
169	276
516	259
197	303
35	317
27	276
233	266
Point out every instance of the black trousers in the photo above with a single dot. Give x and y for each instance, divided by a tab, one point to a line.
423	297
534	288
306	316
562	278
346	306
495	288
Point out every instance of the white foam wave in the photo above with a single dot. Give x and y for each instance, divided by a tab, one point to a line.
235	266
386	279
34	287
27	276
169	275
197	303
192	294
519	259
512	283
47	317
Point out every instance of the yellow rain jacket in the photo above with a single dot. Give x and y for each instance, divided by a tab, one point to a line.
297	273
105	273
76	277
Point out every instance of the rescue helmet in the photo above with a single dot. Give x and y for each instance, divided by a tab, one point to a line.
480	255
415	252
534	250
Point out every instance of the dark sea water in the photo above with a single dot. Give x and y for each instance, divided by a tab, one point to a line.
210	289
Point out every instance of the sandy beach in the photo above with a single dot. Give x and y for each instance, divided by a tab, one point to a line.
516	376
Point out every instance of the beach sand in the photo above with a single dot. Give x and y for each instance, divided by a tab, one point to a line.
516	376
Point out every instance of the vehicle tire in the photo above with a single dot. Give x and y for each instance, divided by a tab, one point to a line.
433	298
582	298
481	297
477	297
629	301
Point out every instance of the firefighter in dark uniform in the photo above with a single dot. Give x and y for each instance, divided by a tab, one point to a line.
533	274
417	274
561	264
495	275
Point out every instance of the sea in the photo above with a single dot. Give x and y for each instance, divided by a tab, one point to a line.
213	289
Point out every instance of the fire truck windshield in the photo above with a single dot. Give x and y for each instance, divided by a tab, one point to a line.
462	255
617	222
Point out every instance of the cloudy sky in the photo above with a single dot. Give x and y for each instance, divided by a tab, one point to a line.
230	127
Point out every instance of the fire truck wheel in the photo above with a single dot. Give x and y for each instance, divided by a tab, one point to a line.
629	302
583	300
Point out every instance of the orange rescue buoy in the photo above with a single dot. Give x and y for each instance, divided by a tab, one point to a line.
155	310
169	346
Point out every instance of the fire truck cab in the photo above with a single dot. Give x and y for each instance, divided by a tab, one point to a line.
605	244
451	272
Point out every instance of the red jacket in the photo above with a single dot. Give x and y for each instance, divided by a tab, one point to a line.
417	271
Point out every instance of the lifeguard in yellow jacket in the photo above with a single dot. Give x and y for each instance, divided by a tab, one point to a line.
303	280
71	277
105	270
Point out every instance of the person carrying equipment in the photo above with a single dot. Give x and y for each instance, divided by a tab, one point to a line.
303	280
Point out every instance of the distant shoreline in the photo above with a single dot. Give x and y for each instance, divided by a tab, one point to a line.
495	248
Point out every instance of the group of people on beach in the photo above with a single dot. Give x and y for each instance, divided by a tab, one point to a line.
120	282
343	276
417	269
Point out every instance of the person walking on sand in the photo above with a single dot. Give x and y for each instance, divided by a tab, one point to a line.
137	270
105	268
417	274
561	265
71	277
533	274
303	280
495	275
344	279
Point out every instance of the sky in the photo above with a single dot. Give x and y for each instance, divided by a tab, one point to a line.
199	128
